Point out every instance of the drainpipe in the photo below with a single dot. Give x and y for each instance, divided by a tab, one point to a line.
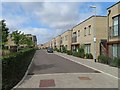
109	11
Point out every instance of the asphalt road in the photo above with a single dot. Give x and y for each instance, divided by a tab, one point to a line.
48	63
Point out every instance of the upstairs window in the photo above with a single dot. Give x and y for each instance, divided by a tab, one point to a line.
78	33
89	29
115	26
85	31
66	37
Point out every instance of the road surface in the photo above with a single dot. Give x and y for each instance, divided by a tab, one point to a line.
48	63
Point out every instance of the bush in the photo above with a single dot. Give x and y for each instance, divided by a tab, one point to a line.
81	52
89	56
75	54
63	50
58	50
69	52
14	67
115	62
104	59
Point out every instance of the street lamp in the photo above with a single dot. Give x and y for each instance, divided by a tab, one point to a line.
94	32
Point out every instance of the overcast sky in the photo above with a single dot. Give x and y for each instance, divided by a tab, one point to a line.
48	19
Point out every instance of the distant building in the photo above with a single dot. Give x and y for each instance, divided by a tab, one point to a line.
57	41
10	43
66	40
33	38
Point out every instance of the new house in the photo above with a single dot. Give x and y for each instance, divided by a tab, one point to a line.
114	30
90	32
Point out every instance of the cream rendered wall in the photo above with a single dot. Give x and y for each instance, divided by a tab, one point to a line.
101	31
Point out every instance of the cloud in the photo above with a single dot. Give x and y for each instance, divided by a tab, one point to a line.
42	34
45	20
58	15
60	1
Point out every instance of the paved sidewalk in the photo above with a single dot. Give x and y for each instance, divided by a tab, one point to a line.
71	80
106	69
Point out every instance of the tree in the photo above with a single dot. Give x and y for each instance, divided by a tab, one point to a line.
29	42
5	32
17	37
21	39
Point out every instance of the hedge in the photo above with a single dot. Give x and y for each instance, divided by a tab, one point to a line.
69	52
110	61
89	56
115	62
14	67
104	59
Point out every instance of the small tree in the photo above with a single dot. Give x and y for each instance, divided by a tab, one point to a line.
29	42
81	51
5	32
17	37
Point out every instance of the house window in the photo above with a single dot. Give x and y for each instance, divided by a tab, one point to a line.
89	29
66	37
115	26
85	31
74	37
78	33
114	50
87	48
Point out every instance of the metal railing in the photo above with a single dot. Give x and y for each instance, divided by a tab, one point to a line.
74	39
112	32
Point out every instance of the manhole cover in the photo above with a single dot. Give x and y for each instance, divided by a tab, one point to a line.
47	83
84	78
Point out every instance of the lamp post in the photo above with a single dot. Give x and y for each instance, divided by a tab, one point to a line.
94	31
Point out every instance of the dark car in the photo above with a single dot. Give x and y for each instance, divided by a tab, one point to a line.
49	50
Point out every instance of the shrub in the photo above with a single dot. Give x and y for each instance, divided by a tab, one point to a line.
81	52
115	62
75	54
69	52
89	56
104	59
58	50
55	49
14	67
64	49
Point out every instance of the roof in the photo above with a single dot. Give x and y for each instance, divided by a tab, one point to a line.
88	19
113	5
65	31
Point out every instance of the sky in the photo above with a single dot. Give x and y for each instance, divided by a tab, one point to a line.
47	20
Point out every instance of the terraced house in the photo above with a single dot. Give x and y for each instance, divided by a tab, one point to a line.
53	43
83	34
66	40
114	30
58	41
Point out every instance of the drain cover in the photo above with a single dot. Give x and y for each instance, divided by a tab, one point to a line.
47	83
84	78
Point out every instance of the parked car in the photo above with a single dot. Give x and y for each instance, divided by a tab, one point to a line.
50	50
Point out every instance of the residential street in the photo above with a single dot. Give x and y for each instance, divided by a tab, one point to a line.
48	63
51	70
